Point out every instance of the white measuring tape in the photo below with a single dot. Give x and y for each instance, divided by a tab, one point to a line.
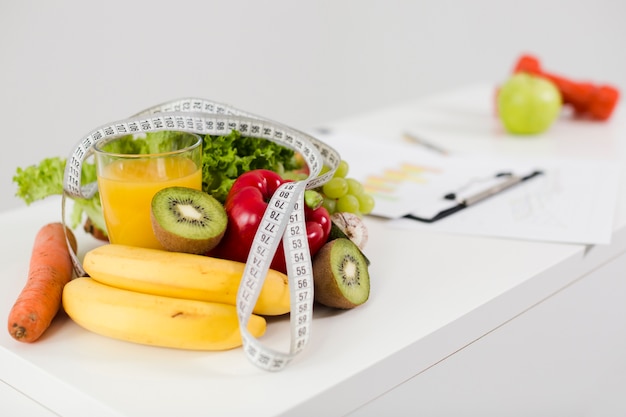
283	220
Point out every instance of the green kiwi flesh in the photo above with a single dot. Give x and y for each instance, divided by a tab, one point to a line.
336	233
340	275
187	220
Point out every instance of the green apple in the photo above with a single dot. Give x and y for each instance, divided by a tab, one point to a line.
528	104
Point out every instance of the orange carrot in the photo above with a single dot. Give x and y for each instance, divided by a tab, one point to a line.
50	269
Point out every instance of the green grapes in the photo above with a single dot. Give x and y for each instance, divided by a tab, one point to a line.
344	194
342	169
354	186
348	203
330	204
366	203
336	187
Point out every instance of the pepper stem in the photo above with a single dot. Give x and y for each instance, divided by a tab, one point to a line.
313	199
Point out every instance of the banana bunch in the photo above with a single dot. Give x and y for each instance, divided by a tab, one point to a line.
168	299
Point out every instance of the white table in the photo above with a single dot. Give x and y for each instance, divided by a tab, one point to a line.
456	325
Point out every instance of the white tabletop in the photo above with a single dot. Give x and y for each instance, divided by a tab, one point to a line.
432	294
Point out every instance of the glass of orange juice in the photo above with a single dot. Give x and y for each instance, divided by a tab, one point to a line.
132	169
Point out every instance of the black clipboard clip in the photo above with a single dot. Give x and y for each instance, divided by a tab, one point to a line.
464	202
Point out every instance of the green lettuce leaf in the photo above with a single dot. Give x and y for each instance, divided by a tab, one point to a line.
45	179
40	181
224	158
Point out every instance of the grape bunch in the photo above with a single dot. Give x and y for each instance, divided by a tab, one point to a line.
344	194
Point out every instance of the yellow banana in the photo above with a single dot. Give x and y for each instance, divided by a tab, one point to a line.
182	275
153	319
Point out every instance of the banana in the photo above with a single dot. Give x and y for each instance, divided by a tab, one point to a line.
155	320
182	275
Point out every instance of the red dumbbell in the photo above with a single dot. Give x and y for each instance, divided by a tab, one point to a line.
595	101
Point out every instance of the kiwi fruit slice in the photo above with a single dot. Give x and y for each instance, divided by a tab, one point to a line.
336	232
187	220
340	275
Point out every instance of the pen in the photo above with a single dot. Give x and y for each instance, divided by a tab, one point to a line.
508	183
418	140
466	202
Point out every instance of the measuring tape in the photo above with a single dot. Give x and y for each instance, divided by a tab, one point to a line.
283	220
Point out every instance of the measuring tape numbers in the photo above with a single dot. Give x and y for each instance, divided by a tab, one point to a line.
283	220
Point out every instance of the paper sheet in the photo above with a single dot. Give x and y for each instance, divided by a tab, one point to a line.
573	201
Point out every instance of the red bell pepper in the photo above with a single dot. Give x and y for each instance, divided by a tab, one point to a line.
245	205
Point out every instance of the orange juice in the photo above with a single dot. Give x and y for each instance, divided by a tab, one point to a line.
126	189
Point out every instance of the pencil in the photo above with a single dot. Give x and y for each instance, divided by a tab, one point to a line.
429	145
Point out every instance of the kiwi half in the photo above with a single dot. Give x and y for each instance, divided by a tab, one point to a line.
340	275
187	220
336	233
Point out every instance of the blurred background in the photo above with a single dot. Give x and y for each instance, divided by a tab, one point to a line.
68	67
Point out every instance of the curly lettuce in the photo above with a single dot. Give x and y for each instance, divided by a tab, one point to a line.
224	158
45	179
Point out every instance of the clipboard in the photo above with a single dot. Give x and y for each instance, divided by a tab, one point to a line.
570	200
462	199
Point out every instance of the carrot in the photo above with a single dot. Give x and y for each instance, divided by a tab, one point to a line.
50	269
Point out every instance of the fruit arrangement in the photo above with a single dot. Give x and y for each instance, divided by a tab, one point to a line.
184	295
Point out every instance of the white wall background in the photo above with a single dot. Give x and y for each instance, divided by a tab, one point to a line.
67	67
